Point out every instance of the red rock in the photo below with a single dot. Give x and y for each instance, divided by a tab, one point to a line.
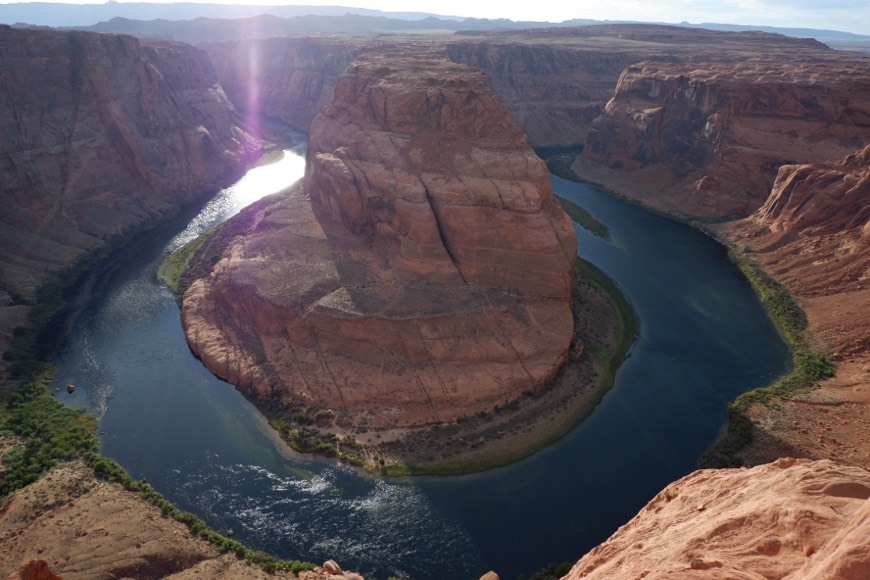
422	273
290	79
812	236
761	523
706	138
34	570
332	567
100	134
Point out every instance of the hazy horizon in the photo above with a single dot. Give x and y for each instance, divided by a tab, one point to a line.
842	15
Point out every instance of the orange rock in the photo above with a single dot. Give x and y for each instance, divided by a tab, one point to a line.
422	272
790	519
34	570
705	138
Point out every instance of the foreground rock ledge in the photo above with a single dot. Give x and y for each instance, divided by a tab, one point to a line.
421	273
792	519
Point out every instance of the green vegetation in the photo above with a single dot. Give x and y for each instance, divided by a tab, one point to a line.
626	322
170	270
810	366
306	440
54	433
584	218
552	571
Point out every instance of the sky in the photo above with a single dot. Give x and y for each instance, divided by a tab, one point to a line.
846	15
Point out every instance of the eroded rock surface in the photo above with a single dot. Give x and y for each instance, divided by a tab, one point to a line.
100	134
422	272
792	519
813	235
291	79
706	139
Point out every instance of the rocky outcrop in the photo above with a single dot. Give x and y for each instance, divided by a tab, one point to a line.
422	273
707	138
329	571
790	519
554	91
100	134
290	79
33	570
71	525
820	199
813	235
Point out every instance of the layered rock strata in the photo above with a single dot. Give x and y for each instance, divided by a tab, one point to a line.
100	133
555	90
290	79
792	519
421	273
705	139
813	234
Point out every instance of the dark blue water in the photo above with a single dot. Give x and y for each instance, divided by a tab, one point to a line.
703	340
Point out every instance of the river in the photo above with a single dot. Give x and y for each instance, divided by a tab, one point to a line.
703	339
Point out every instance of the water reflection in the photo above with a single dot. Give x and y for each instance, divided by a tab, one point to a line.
257	183
165	417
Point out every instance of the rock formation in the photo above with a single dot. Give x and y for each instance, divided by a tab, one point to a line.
813	235
422	273
706	139
79	528
554	90
792	519
100	134
34	570
290	79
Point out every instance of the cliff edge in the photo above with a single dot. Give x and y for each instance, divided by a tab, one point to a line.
421	273
792	519
100	135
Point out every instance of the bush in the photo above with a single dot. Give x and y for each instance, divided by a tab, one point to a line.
53	431
810	367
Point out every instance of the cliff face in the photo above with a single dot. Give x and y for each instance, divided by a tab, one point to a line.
99	134
706	139
554	92
290	79
422	273
791	519
813	235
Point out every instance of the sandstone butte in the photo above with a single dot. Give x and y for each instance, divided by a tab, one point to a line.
422	271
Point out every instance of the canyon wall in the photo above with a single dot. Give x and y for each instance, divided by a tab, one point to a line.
707	139
554	92
99	135
813	235
422	273
290	79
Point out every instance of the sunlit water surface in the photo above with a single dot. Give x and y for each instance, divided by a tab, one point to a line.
703	339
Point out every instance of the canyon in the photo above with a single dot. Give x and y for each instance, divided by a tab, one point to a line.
102	135
760	138
424	219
